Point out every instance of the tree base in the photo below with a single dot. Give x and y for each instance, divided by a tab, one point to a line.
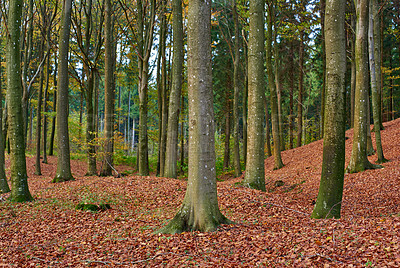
381	161
255	185
360	168
21	198
184	221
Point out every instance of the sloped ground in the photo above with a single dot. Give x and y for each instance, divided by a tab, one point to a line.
272	229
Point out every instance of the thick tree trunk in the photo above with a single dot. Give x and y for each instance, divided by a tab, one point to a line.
236	91
374	83
255	172
378	61
108	93
273	92
63	165
359	161
353	66
19	179
171	154
200	209
328	204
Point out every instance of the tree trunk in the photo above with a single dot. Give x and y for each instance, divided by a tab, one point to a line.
374	83
46	90
63	164
255	172
359	161
378	61
200	209
245	99
108	92
53	123
273	92
39	116
4	188
323	89
353	66
267	131
19	179
227	151
291	101
300	98
236	90
171	154
328	204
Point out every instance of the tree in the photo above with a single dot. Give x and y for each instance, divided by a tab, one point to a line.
19	178
63	164
359	160
255	173
273	90
329	198
236	91
108	92
200	209
171	154
374	82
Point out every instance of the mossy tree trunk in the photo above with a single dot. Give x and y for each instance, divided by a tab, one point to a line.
200	209
63	164
329	198
109	95
171	154
359	160
236	91
19	178
353	65
374	83
255	172
273	90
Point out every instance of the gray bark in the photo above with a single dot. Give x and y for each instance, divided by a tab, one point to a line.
200	209
255	172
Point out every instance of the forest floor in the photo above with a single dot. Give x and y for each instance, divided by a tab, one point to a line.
273	229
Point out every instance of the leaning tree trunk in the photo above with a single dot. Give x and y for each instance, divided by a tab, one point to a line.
273	92
330	194
236	90
19	178
108	93
255	172
359	160
374	84
63	164
200	209
171	154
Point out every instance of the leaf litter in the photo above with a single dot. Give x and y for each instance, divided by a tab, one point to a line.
272	229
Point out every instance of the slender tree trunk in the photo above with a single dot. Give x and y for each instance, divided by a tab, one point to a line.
108	92
378	61
4	188
46	90
236	91
273	92
39	116
359	161
171	154
374	83
19	179
291	101
328	204
63	165
53	123
353	65
255	171
91	126
227	151
323	89
300	98
267	131
245	99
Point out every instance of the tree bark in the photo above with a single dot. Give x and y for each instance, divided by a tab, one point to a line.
39	115
19	178
374	82
328	204
273	91
171	154
53	123
200	209
255	172
353	65
63	164
300	97
108	92
359	161
323	89
236	91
